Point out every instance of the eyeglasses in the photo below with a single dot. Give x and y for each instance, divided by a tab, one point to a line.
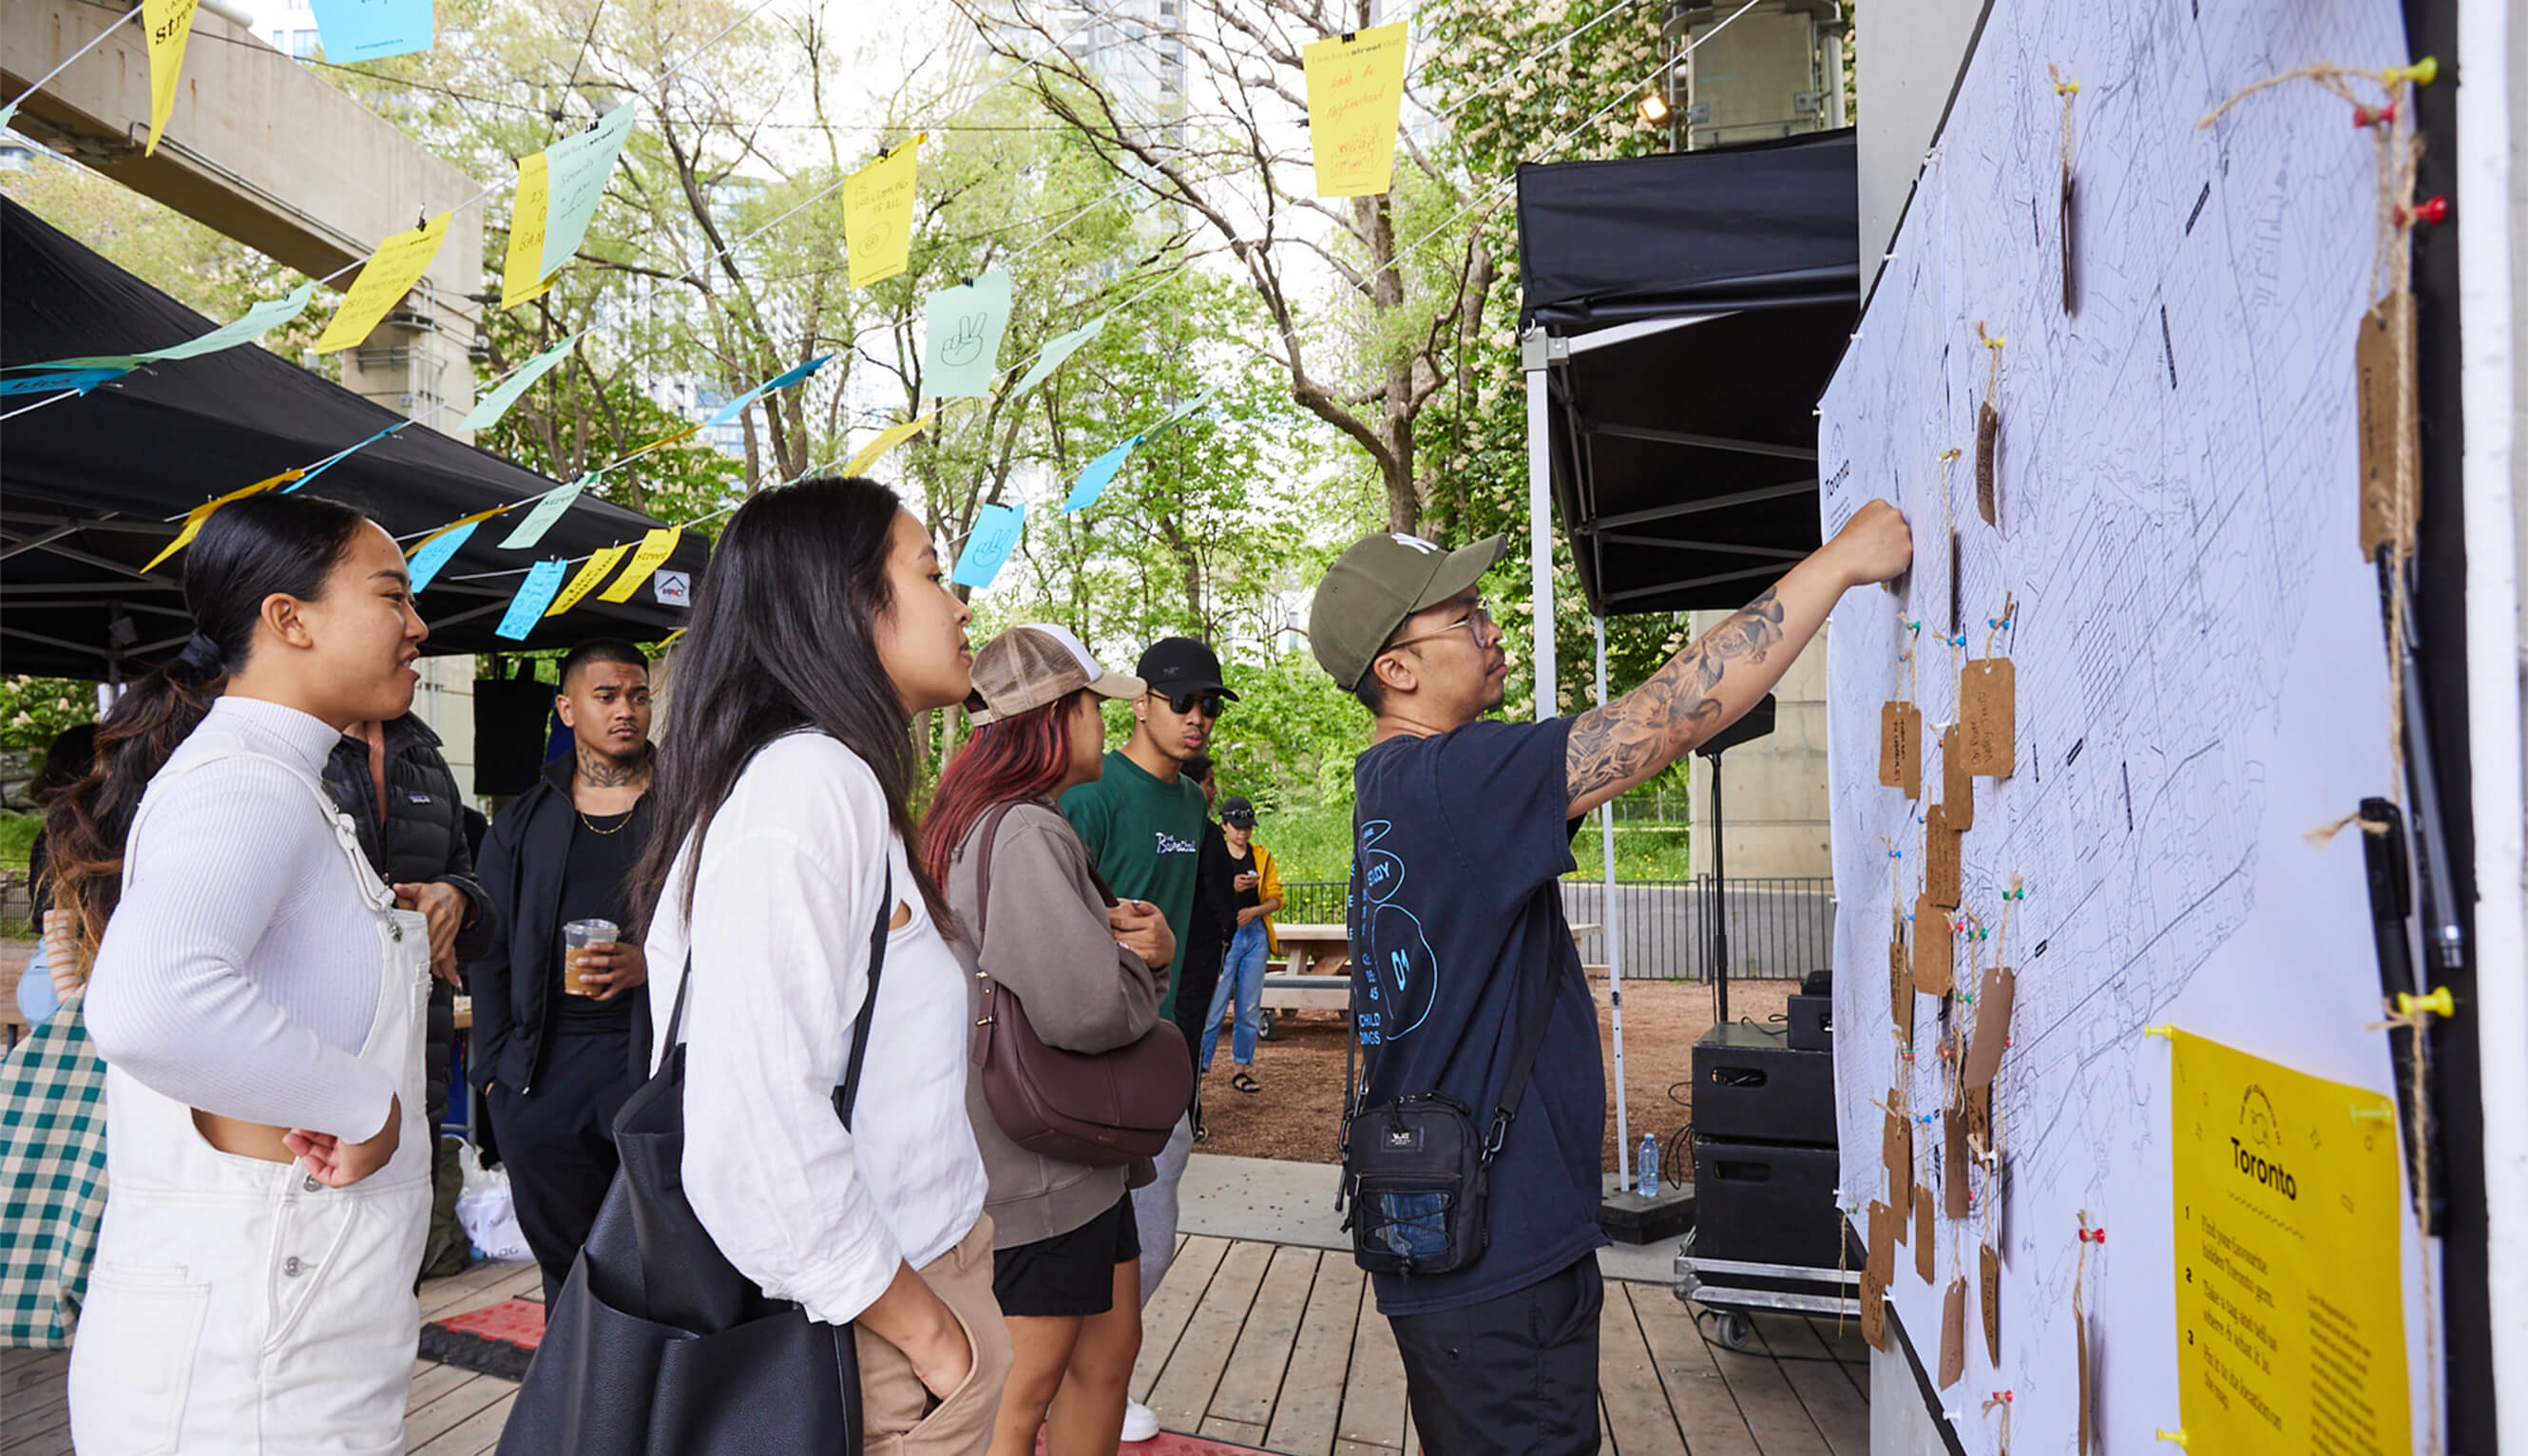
1478	623
1184	704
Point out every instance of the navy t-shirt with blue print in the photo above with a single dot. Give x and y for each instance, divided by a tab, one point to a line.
1459	842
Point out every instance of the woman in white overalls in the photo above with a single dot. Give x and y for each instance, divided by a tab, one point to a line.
257	996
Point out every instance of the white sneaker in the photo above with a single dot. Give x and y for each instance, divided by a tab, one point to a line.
1141	1423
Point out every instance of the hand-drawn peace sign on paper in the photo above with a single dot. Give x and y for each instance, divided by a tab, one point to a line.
962	329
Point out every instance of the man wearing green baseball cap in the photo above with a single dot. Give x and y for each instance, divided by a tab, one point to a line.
1462	829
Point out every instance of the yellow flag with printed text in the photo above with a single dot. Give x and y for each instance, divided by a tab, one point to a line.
655	548
587	577
1355	97
522	279
877	215
388	275
170	24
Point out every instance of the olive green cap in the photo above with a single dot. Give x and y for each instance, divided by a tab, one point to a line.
1371	589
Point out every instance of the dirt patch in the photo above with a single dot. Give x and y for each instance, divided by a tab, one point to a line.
1300	1112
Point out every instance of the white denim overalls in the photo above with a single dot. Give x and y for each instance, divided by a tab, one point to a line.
238	1305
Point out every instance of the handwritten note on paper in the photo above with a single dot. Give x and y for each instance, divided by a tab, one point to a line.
876	451
535	594
1094	479
170	24
575	173
988	545
486	411
588	576
655	548
194	518
434	554
1355	97
548	510
962	331
877	215
1057	350
522	271
373	29
388	275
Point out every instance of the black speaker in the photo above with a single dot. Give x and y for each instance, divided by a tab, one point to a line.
1749	1084
510	720
1765	1203
1812	1024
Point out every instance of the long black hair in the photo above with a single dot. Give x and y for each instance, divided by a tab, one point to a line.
248	551
783	638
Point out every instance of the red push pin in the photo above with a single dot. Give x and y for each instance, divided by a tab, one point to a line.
2363	115
2431	210
2094	1235
1947	1051
2004	1396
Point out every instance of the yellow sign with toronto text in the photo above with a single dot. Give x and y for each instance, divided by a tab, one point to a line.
1355	97
2291	1304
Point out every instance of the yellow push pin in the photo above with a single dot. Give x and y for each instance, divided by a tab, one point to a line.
2067	88
2439	1003
2163	1029
1993	342
2422	72
2175	1437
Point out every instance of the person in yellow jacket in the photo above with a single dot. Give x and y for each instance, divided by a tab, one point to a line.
1242	972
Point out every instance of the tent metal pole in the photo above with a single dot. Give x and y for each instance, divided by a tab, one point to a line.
1611	933
1539	352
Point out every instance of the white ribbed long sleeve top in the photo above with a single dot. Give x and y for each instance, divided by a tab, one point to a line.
240	971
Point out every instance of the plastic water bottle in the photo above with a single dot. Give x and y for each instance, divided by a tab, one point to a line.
1648	1166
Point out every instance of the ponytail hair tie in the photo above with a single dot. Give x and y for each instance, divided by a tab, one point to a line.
203	654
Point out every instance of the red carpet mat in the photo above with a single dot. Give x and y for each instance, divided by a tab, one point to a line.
1168	1443
496	1340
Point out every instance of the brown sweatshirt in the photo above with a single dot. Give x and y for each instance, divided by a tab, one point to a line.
1047	940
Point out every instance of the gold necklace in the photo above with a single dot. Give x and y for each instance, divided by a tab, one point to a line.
592	824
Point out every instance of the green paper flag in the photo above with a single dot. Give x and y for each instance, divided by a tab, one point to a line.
575	173
962	337
1060	347
546	512
486	411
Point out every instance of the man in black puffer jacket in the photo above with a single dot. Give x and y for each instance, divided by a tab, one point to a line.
393	781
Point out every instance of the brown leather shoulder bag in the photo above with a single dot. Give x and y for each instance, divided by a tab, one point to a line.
1101	1109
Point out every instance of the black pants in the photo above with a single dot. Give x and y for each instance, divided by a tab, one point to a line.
1517	1374
559	1144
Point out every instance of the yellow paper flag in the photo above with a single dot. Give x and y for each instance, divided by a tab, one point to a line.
877	215
521	277
588	576
1355	97
655	548
876	450
388	275
194	518
476	519
170	24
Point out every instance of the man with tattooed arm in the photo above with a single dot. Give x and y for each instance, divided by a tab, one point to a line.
1462	828
561	1034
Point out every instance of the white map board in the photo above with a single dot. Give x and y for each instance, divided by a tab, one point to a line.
2197	646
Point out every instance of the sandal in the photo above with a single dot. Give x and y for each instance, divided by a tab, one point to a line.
1245	1083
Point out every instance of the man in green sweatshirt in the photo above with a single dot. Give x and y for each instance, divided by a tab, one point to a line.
1143	823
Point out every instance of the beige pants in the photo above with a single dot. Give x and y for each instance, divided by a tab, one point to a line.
897	1417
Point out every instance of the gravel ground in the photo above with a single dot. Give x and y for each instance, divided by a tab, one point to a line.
1298	1113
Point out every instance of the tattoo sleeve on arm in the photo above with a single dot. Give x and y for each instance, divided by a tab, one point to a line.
1662	720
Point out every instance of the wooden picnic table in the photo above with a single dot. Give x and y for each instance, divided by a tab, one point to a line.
1315	971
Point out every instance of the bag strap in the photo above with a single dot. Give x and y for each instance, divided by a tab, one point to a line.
849	1092
1531	1037
990	831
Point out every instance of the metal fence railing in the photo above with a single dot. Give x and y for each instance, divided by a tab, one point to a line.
1779	927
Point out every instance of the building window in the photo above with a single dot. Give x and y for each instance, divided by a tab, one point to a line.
302	43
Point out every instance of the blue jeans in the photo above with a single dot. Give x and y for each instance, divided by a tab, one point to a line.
1242	972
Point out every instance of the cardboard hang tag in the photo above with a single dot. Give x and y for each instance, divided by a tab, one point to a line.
1991	1301
1901	992
1987	451
1925	1233
1953	1163
1874	1274
1993	1001
1874	1309
1978	1116
1900	748
1987	717
2088	1434
2384	425
1934	959
1957	785
1896	1154
1944	858
2068	305
1953	1333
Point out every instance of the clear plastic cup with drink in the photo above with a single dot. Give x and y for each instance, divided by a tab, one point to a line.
578	936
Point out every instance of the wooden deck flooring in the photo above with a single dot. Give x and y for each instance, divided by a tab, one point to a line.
1261	1344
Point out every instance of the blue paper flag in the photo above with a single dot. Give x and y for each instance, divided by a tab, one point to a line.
372	29
527	608
82	380
988	545
795	373
1092	480
435	553
330	461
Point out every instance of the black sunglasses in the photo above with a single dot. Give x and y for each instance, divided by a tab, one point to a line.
1185	703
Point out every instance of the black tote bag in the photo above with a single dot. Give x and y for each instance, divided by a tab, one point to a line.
658	1345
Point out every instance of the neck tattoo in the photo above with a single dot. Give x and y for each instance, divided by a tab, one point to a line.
598	771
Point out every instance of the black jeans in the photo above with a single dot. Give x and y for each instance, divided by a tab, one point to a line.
559	1144
1515	1375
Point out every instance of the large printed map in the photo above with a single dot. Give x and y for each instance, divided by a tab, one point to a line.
2199	679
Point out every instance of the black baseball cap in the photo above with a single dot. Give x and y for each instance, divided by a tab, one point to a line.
1180	664
1237	811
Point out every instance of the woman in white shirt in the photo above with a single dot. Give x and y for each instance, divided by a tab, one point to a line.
257	998
820	631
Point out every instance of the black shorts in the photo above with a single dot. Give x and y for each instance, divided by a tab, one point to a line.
1069	1276
1516	1376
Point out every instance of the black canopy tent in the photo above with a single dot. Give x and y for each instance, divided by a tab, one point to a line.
1686	312
87	486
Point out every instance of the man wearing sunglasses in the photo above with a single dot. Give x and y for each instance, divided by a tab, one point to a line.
1143	820
1462	831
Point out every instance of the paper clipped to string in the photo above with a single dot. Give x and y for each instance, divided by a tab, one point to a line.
373	29
876	451
1355	98
575	173
486	411
656	547
988	545
194	518
257	321
1093	481
388	275
535	594
794	375
1056	350
548	510
590	573
962	331
877	215
170	26
522	269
